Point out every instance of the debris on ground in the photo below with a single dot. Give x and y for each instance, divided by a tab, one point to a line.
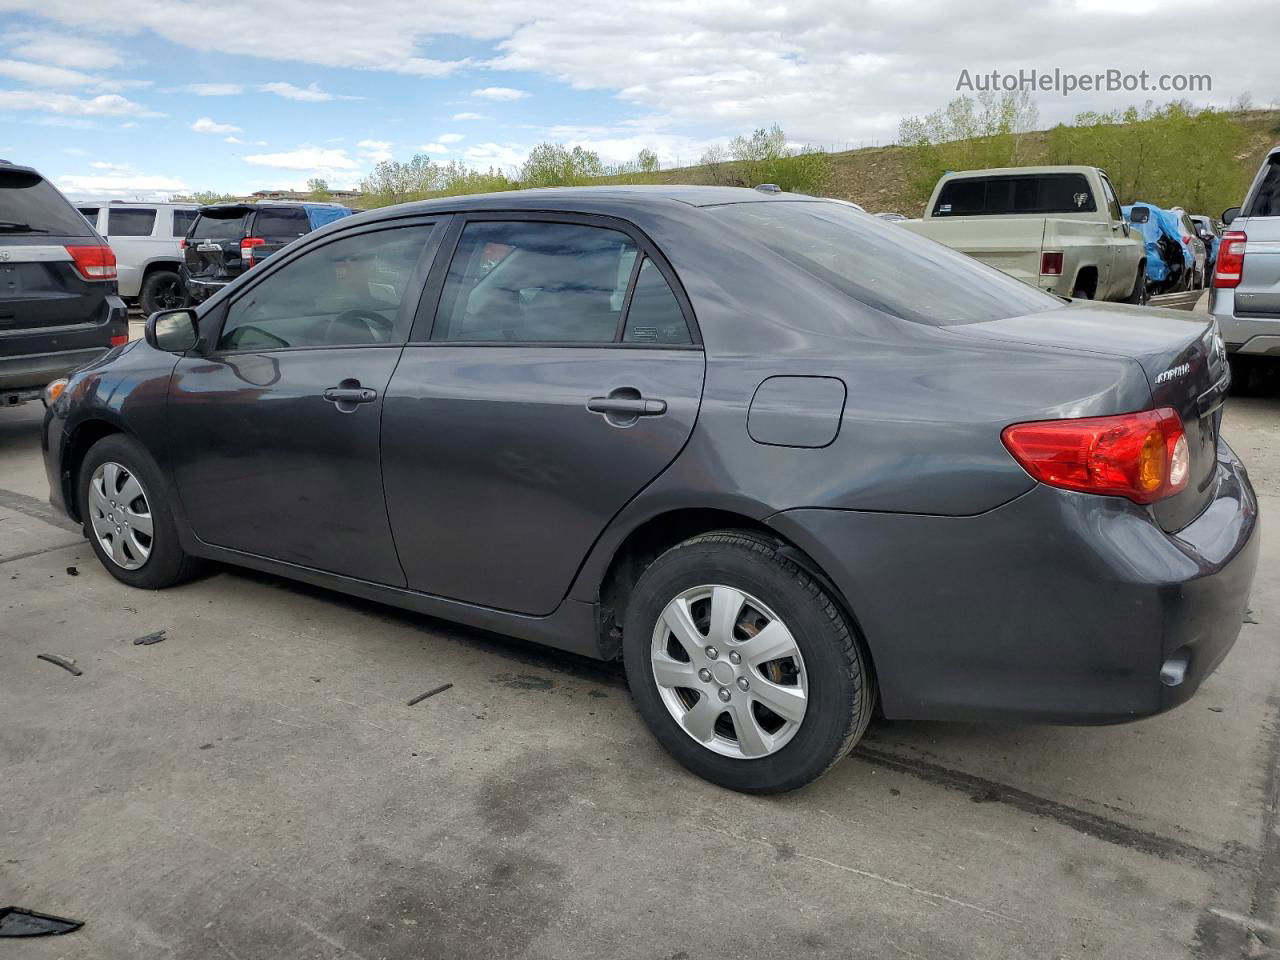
18	922
72	572
149	639
430	693
66	663
1248	617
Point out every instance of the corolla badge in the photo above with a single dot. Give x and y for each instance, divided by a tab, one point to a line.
1181	370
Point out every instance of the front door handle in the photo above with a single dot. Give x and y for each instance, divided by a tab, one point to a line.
624	406
349	394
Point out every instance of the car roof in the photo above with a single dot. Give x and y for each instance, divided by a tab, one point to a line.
1035	171
588	199
135	203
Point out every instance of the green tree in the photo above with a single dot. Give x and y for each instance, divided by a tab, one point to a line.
319	189
394	181
647	161
555	165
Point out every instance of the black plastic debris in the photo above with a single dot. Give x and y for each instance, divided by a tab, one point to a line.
149	639
66	663
1248	617
430	693
72	572
17	922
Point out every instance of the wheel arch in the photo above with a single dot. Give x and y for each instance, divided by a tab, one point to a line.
81	440
1086	276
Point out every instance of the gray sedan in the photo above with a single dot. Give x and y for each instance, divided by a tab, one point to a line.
789	463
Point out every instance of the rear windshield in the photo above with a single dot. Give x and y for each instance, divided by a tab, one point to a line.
30	204
883	265
1044	193
1265	201
219	225
279	223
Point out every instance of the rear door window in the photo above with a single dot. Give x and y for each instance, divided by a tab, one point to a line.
1042	194
30	205
220	225
182	220
281	223
1265	201
130	221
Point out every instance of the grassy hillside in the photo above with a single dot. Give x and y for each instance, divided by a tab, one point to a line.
878	178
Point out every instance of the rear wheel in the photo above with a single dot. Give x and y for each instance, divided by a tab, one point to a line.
742	666
1139	292
127	516
161	290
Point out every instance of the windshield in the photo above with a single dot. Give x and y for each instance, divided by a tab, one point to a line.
883	265
30	204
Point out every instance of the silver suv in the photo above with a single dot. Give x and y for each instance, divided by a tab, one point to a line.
147	241
1246	281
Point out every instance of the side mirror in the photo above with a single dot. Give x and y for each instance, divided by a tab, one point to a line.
1139	214
1229	214
173	331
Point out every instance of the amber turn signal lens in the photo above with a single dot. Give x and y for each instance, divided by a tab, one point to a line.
53	391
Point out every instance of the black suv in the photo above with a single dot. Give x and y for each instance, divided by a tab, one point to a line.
59	307
226	239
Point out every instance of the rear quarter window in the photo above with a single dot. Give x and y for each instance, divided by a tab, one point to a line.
281	224
883	266
1265	201
182	220
130	222
1042	194
29	204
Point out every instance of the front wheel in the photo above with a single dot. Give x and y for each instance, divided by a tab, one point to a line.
162	290
127	516
742	665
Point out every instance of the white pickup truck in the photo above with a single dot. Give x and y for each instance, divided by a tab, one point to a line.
1056	228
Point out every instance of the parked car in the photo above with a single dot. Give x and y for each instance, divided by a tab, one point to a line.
1209	235
58	302
1175	259
146	239
1056	228
1195	249
785	459
226	239
1246	285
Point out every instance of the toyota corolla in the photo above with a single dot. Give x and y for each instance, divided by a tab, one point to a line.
788	462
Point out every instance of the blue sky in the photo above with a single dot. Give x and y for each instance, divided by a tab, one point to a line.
144	98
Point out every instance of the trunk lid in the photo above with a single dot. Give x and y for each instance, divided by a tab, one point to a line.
1182	356
212	249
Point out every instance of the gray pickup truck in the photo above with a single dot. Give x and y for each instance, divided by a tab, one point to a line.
1058	228
1246	281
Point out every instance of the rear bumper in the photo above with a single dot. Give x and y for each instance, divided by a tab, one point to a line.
1057	606
1256	336
199	289
46	357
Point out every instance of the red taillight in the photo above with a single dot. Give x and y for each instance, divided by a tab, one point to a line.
117	341
182	244
246	249
95	262
1230	260
1142	456
1051	263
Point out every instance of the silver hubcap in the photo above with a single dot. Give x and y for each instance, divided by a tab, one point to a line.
120	515
729	672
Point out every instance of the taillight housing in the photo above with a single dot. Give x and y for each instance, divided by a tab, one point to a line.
1141	456
97	262
246	249
1051	263
1230	266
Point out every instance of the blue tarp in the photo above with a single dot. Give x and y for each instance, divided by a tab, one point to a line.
1162	223
320	214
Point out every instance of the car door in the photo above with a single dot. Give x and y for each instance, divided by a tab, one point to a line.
1120	262
273	430
128	231
560	373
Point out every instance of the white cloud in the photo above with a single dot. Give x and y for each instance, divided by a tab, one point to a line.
209	125
106	105
500	155
375	151
308	94
43	75
118	167
76	151
451	137
468	116
64	50
500	93
434	148
130	185
213	89
305	158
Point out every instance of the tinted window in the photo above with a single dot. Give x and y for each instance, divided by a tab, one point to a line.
884	266
90	214
654	315
182	220
30	204
1044	194
1266	199
220	225
536	282
130	222
279	223
343	293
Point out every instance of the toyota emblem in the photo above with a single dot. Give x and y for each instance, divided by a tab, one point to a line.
4	255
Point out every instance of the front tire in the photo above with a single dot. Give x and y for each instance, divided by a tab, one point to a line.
127	516
162	290
743	666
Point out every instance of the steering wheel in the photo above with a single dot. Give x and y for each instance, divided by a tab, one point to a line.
374	326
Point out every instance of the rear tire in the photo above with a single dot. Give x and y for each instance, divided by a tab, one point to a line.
127	516
1138	294
720	725
162	290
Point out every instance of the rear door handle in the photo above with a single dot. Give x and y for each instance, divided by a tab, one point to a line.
347	398
625	406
